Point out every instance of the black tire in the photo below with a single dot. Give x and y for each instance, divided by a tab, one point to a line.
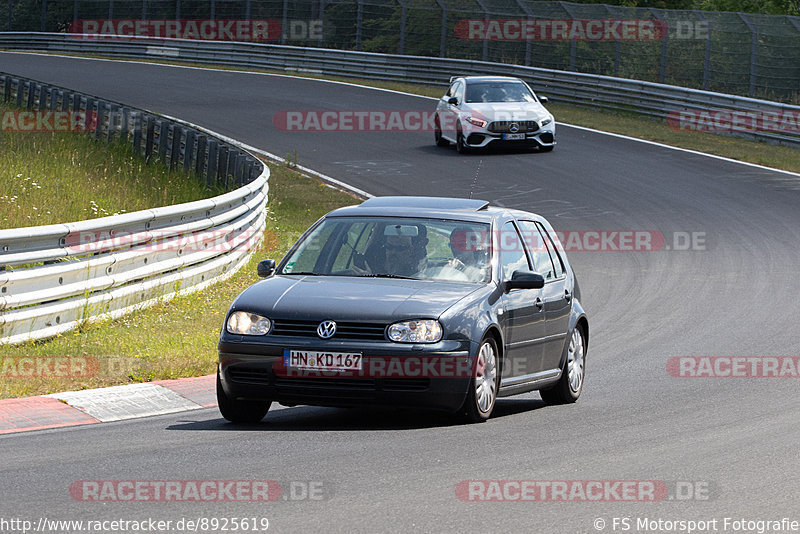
569	386
461	147
237	411
437	134
477	409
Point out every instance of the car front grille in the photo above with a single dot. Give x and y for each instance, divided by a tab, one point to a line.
506	126
344	330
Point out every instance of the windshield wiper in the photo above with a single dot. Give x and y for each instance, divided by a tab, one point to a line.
386	275
307	273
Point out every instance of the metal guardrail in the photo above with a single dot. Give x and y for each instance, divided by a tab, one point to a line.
65	274
646	98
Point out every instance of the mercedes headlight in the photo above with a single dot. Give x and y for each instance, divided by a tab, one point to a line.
480	123
420	331
248	324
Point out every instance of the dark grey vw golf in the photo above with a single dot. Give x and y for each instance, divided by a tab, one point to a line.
420	302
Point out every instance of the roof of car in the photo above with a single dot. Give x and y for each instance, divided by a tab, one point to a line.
465	209
486	78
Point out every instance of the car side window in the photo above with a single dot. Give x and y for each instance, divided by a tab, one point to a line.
554	247
512	251
538	247
451	91
458	91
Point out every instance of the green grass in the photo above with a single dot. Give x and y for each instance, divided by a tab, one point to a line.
177	338
48	178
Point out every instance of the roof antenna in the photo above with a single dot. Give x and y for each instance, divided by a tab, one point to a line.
475	179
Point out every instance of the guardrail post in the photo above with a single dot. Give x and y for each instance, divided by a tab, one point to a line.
6	88
753	51
101	119
125	124
175	152
222	166
211	162
201	159
137	133
31	96
52	97
189	156
163	139
150	132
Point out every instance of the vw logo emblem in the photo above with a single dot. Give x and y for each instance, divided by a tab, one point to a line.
326	329
513	127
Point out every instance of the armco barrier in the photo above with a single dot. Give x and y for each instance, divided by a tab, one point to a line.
53	278
646	98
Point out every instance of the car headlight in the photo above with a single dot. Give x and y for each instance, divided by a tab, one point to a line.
480	123
248	324
420	331
547	121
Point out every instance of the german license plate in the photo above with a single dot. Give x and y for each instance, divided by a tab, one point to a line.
322	361
512	137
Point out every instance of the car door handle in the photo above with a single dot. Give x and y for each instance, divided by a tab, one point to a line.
539	303
567	295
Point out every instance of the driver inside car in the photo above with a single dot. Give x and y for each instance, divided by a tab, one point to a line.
402	252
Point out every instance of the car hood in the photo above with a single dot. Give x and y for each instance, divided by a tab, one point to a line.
347	298
508	111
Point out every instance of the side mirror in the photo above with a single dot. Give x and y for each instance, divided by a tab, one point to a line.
265	268
524	280
453	101
544	99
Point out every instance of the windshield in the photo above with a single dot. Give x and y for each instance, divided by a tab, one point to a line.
498	92
387	247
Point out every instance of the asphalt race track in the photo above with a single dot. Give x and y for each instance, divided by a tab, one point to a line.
732	440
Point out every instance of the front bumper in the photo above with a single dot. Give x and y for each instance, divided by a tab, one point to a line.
392	375
483	138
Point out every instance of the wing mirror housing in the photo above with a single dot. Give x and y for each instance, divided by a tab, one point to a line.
265	268
524	280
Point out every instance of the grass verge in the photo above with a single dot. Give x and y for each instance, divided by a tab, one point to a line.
49	178
172	339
